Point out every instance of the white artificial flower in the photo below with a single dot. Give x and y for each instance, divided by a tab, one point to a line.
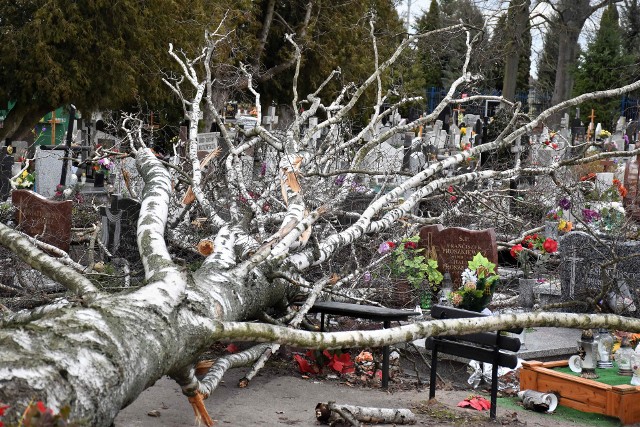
469	276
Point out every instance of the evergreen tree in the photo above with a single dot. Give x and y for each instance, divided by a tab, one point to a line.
630	18
452	12
428	54
603	66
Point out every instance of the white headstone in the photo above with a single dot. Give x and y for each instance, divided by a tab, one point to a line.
48	169
207	141
384	158
416	162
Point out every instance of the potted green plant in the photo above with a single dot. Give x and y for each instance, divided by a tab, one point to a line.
409	263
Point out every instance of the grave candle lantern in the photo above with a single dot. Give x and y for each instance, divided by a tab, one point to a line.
623	357
604	346
586	347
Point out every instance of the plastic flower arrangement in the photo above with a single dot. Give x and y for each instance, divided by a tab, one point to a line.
103	165
605	208
604	134
410	263
479	281
551	142
24	180
558	214
533	252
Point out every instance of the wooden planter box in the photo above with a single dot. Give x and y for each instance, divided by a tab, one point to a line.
621	401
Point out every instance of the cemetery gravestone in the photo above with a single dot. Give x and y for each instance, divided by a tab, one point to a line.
384	158
455	247
6	165
445	118
581	257
119	227
48	221
49	169
631	201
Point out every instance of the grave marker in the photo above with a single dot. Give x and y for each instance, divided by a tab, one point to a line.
48	221
455	247
631	200
6	165
119	227
48	169
581	257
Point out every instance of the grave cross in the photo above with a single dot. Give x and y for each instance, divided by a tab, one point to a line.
458	112
572	283
591	125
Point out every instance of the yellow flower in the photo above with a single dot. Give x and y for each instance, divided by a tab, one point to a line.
565	226
24	174
470	286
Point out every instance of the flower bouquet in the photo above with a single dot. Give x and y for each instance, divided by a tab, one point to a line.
103	165
533	252
24	181
478	284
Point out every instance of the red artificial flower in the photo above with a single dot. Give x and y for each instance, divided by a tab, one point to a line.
3	408
391	245
41	407
529	240
616	182
516	249
550	245
410	245
554	146
623	191
453	199
450	189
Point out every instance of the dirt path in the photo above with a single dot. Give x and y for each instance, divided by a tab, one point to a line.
278	398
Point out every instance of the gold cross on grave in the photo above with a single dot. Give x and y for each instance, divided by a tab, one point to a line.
458	112
53	122
591	125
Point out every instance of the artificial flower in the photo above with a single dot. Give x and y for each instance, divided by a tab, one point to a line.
550	245
565	226
410	245
516	249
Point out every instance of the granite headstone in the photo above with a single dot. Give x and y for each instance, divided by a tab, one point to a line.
631	201
454	247
581	271
119	226
48	221
6	165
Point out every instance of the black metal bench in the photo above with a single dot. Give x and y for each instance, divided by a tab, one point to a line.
484	347
369	312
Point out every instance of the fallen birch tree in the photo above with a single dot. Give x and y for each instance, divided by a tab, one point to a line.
273	235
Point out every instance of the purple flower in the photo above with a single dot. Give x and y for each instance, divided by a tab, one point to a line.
626	139
565	203
590	215
366	276
263	168
339	180
384	248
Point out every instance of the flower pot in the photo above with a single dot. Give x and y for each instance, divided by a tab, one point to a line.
98	179
525	292
551	229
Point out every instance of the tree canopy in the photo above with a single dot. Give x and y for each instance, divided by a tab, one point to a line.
603	65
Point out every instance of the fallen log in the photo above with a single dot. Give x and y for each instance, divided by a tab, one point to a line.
332	413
